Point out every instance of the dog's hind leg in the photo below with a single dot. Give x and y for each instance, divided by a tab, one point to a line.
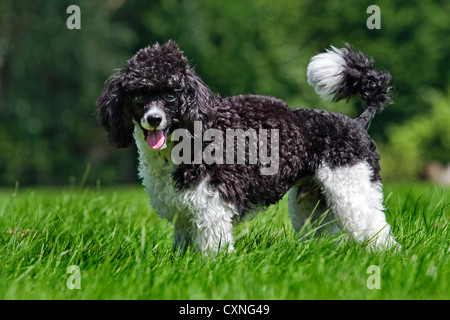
307	205
356	201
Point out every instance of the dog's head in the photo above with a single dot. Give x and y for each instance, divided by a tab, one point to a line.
156	90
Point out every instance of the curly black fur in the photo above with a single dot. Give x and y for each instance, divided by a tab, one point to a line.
308	138
361	77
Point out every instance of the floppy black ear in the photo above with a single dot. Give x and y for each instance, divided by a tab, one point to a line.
198	98
113	114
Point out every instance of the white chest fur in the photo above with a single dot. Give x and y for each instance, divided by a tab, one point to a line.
199	213
155	170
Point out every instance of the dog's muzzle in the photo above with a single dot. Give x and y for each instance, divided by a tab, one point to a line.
154	123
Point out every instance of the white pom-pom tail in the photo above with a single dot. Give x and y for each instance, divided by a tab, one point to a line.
325	72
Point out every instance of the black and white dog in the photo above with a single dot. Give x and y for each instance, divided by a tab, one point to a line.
325	160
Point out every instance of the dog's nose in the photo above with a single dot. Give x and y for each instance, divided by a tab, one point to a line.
154	120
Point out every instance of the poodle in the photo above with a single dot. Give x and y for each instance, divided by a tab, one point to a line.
326	161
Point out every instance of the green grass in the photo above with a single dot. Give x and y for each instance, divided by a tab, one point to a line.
124	251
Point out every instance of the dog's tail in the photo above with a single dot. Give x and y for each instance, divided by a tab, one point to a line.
342	73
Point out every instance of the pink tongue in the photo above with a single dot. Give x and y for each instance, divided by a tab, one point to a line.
155	139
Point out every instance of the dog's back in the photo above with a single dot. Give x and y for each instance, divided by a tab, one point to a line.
335	139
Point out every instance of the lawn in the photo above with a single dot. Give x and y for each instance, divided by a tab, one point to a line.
119	249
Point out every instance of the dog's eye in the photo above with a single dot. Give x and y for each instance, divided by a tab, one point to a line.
138	99
170	97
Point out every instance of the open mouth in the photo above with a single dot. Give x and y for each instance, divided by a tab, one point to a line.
156	139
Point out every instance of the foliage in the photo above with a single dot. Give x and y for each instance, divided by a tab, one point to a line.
50	76
422	139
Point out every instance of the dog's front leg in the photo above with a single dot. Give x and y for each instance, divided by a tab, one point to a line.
183	234
210	239
213	234
211	219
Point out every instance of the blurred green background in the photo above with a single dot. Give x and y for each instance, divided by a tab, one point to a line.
50	76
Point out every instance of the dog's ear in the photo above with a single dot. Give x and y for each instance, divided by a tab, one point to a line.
198	98
113	114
